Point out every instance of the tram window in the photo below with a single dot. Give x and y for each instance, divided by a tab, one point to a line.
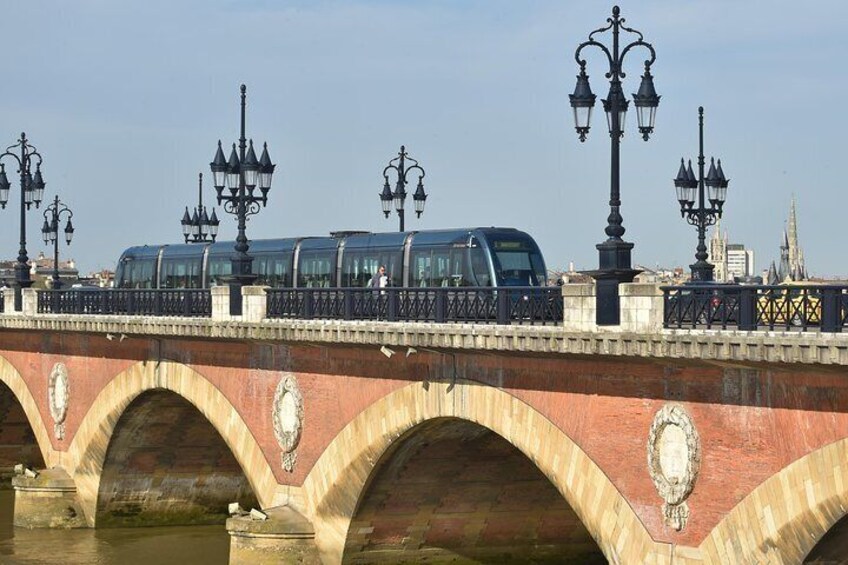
315	269
539	268
218	267
273	270
459	267
143	274
357	270
479	266
519	263
179	273
358	267
432	267
421	271
138	274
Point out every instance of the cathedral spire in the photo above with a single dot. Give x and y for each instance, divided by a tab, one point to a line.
793	235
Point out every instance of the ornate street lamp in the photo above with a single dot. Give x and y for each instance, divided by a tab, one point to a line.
242	174
50	233
398	197
688	189
199	227
615	266
32	191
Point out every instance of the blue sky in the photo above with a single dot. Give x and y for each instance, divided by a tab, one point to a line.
126	101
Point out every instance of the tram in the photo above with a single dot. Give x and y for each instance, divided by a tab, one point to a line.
479	257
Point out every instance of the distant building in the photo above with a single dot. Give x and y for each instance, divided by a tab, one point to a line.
661	275
731	260
739	262
7	273
41	271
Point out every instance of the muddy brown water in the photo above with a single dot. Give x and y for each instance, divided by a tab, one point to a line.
183	545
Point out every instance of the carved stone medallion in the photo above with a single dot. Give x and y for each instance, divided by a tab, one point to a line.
674	459
58	390
288	418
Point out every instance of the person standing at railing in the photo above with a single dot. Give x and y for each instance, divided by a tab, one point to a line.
380	279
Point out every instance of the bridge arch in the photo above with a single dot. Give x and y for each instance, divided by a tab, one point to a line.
87	453
12	379
788	514
338	479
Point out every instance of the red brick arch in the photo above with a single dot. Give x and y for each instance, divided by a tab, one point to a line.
788	514
13	379
87	452
335	484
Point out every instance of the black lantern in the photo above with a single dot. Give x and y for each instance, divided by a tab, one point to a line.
701	216
686	186
219	171
420	198
398	197
199	227
582	101
616	105
646	102
4	186
386	198
266	171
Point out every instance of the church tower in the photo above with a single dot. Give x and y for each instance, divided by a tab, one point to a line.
791	266
718	253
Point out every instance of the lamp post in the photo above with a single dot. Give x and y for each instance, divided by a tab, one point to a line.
199	227
387	197
242	174
32	191
702	216
614	253
50	232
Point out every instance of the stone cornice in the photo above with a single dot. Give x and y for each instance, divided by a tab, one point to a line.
701	345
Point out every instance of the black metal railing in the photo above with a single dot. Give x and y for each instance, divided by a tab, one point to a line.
506	305
171	302
808	307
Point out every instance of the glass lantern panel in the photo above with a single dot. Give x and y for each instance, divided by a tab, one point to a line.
251	176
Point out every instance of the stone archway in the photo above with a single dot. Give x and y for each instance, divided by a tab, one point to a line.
23	437
166	465
452	489
788	514
334	485
88	451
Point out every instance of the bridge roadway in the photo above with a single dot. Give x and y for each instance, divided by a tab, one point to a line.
379	442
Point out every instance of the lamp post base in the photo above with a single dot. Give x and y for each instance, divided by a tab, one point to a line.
236	282
22	281
614	269
701	272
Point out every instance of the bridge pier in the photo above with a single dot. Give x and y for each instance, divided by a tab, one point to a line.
48	500
286	536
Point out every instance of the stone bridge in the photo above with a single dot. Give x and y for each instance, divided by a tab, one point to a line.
366	442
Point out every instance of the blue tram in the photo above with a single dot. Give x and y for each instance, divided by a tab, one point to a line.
482	257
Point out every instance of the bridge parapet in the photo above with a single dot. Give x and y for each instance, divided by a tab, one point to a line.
715	345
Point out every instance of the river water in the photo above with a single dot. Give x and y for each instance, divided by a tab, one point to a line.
183	545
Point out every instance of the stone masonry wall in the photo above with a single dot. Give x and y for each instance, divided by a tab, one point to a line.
753	418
